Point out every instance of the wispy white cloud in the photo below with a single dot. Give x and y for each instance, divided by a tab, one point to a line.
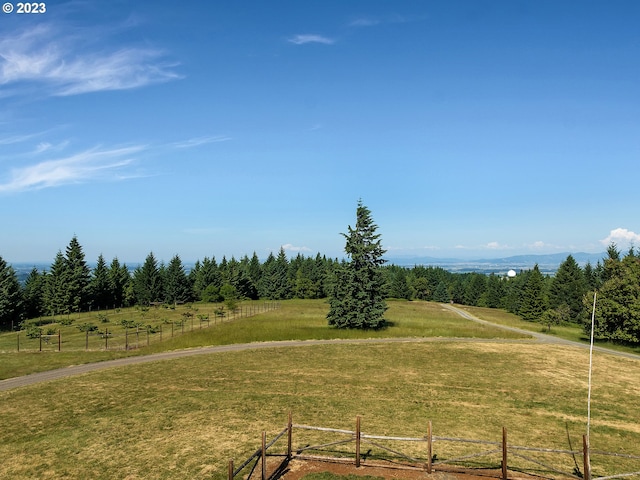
364	22
96	163
10	140
197	141
310	38
287	247
47	56
621	237
540	245
368	21
486	246
43	147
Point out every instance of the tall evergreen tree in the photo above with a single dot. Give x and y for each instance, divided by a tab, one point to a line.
33	293
56	294
591	277
318	274
618	303
441	293
568	287
119	280
101	294
280	280
533	297
458	289
275	283
397	283
475	286
10	296
254	269
420	288
176	285
265	286
494	292
611	267
245	286
147	281
223	268
357	299
207	276
79	277
304	287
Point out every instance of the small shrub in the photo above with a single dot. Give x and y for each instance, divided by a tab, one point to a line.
33	331
153	329
103	318
127	323
66	321
87	327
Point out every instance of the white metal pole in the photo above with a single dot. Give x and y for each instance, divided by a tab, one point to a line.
593	316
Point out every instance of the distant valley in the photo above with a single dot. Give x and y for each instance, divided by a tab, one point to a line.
548	264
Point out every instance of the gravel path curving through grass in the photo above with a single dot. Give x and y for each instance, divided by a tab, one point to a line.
540	337
57	374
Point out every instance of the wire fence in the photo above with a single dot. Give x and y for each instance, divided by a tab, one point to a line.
115	336
429	453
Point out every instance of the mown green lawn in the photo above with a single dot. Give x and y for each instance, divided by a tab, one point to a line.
186	418
291	320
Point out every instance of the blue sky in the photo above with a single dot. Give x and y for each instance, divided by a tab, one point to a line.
469	128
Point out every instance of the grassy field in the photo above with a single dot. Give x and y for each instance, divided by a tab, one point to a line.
569	331
291	320
187	417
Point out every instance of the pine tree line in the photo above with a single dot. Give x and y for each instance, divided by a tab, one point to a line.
71	286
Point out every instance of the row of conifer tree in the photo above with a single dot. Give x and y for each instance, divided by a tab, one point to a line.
70	285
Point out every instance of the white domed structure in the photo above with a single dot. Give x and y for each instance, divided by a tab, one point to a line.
511	273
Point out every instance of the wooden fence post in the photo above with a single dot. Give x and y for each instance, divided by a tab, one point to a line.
289	436
429	448
40	341
59	341
18	341
230	470
358	441
504	453
106	338
585	457
264	456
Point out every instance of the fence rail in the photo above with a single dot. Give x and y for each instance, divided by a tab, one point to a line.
273	465
116	337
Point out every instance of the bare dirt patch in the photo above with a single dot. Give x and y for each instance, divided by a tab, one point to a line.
299	468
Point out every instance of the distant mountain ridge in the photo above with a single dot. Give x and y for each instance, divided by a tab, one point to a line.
547	263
